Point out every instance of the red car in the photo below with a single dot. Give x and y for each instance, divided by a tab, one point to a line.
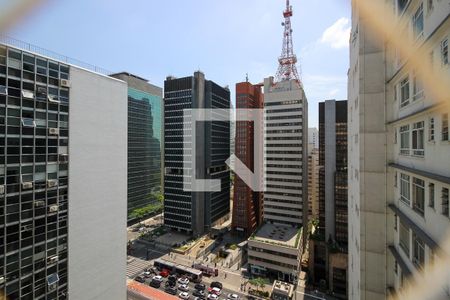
164	273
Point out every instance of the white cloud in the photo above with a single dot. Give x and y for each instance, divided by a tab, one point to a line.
338	34
333	93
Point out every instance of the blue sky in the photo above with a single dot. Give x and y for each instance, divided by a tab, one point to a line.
223	38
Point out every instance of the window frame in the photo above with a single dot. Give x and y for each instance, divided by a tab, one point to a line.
405	133
431	194
418	19
418	139
445	127
405	187
431	129
444	52
404	91
418	190
418	251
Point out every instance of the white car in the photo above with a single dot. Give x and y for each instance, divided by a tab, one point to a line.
158	278
213	297
183	287
216	290
233	297
184	295
183	280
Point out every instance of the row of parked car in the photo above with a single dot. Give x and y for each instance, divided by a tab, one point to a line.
200	292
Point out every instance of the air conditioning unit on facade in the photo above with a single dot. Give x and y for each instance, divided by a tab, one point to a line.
27	185
52	183
64	83
53	208
39	203
2	189
53	131
52	259
52	98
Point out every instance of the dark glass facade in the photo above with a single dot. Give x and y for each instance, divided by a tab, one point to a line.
34	137
144	148
195	212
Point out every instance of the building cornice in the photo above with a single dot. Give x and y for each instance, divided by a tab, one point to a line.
437	177
416	113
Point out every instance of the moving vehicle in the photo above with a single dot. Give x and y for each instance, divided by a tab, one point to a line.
200	286
180	270
216	284
183	280
233	297
213	297
216	290
183	288
156	284
184	295
199	293
170	290
206	270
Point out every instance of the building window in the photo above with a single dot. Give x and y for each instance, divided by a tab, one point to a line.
395	179
404	92
431	195
404	238
418	251
395	267
431	129
444	52
445	127
419	195
405	188
395	222
404	140
26	122
418	139
444	199
418	22
430	5
3	90
417	88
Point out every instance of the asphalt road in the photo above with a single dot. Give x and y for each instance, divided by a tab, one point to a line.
223	295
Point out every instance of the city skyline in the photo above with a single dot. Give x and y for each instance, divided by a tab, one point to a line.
322	49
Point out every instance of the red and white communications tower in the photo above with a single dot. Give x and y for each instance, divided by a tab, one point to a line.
287	68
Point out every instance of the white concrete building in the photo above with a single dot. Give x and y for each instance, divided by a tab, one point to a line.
97	186
313	139
275	249
63	181
285	157
399	161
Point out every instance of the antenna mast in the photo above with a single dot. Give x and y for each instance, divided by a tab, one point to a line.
287	69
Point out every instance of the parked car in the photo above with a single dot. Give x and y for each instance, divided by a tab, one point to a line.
140	279
183	287
147	274
213	297
170	290
216	284
156	284
183	280
200	286
199	293
164	273
184	295
216	290
170	284
157	278
233	297
172	278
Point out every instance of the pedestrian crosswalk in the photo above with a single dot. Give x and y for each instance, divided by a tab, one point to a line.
136	266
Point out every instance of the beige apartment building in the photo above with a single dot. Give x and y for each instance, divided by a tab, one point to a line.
399	157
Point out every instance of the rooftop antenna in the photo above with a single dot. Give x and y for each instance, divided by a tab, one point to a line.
287	68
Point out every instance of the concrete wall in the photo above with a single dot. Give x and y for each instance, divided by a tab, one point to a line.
97	186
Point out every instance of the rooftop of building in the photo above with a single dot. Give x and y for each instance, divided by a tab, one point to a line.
278	234
282	288
129	75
